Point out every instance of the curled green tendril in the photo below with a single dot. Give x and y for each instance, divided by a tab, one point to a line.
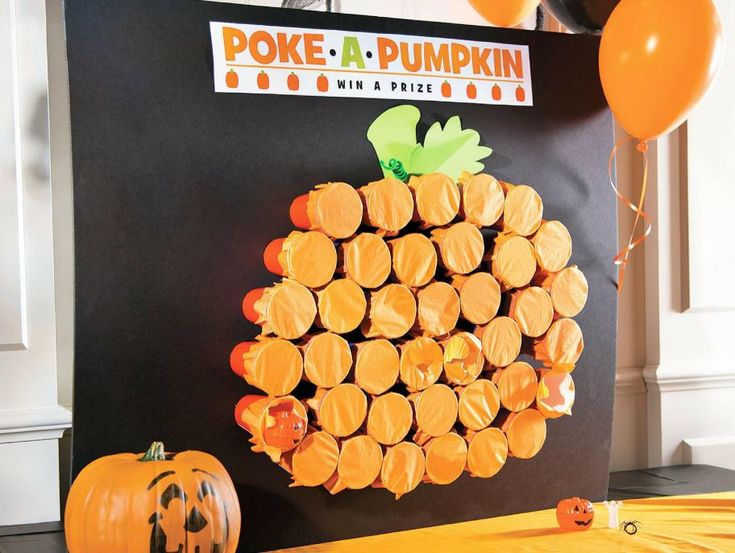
396	167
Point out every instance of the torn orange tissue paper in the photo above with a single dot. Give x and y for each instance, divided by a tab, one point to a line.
388	205
314	460
342	306
523	210
513	261
568	289
277	424
446	458
561	346
366	260
435	411
532	309
479	296
334	208
501	341
487	452
340	410
327	359
479	404
461	247
360	461
390	418
553	245
483	199
403	468
376	365
306	257
274	366
463	358
517	385
437	198
438	309
414	259
526	432
555	395
421	363
286	309
392	312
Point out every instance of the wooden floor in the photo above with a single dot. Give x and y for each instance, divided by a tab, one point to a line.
664	481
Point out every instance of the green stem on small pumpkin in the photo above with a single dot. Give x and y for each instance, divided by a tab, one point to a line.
155	453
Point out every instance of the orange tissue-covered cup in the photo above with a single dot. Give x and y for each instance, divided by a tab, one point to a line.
342	306
340	410
479	296
513	261
568	290
532	309
421	363
388	204
286	309
483	199
377	365
479	404
366	260
403	468
438	309
561	346
314	460
526	432
435	411
334	208
360	462
487	452
437	198
523	210
501	341
463	358
390	418
446	458
555	395
274	366
327	359
553	245
306	257
277	424
414	259
391	313
461	247
517	385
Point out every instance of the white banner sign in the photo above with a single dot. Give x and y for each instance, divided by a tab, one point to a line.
258	59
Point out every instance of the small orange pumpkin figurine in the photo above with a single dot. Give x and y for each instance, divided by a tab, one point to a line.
231	79
575	514
520	94
446	89
155	502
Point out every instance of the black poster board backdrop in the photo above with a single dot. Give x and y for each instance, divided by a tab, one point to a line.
178	189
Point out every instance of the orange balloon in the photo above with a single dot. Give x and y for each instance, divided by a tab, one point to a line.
505	13
657	59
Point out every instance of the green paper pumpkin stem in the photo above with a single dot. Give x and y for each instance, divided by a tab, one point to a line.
396	167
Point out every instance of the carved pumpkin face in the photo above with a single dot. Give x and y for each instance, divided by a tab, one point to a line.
284	427
574	514
158	503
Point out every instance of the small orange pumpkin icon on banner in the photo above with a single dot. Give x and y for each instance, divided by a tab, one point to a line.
322	84
293	81
446	89
496	93
263	80
520	94
232	79
471	91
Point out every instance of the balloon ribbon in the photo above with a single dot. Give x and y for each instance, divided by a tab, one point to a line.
621	259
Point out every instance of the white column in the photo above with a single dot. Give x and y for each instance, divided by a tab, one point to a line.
31	421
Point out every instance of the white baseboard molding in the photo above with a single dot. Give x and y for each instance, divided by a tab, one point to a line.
629	380
717	451
27	425
681	378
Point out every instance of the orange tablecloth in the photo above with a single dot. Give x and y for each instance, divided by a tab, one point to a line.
686	524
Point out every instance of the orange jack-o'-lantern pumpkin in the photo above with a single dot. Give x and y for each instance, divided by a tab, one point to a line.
574	514
156	502
284	428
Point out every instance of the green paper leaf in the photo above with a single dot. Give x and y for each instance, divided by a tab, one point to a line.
393	135
449	150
